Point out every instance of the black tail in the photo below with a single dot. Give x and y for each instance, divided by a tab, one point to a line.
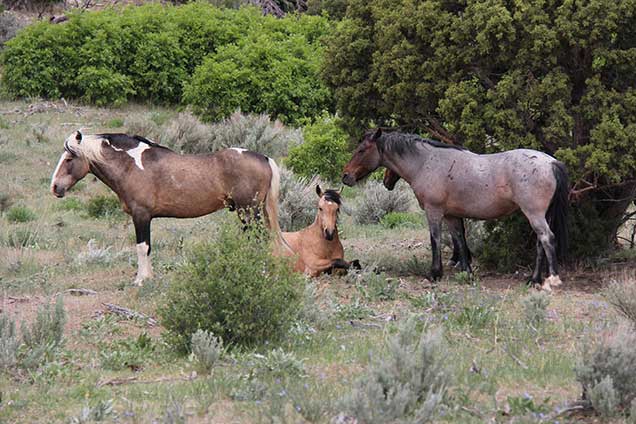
557	215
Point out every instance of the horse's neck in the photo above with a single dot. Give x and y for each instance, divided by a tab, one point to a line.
107	175
405	167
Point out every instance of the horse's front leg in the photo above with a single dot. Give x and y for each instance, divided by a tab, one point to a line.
435	229
461	253
142	233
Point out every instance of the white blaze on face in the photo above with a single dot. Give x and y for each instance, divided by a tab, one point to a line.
238	149
64	156
144	267
136	154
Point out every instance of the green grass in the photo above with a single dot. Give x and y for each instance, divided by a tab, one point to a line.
496	357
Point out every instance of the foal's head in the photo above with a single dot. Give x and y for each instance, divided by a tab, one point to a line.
72	166
365	159
328	207
390	179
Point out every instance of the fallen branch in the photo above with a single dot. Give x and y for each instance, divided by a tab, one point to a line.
81	292
129	314
567	409
514	358
133	380
13	299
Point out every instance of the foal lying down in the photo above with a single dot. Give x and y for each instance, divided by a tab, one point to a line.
317	246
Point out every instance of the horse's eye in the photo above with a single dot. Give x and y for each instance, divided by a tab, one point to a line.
320	209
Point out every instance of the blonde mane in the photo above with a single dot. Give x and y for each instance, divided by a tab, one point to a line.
89	147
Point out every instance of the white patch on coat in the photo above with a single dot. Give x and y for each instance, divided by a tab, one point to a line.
136	154
144	267
239	149
65	155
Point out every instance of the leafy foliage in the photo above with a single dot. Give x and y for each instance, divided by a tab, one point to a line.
103	206
234	288
499	75
324	151
155	52
20	213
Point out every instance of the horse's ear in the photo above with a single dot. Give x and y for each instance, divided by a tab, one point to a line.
341	188
318	190
78	137
377	134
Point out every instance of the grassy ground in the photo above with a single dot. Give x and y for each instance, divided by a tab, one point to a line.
119	370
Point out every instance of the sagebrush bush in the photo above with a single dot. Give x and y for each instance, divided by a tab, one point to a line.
278	363
9	26
142	125
37	343
206	348
20	213
621	294
612	356
257	133
324	151
234	288
297	202
604	398
376	201
408	384
535	306
103	206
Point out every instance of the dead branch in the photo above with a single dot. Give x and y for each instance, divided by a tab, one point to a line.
129	313
514	358
81	292
133	380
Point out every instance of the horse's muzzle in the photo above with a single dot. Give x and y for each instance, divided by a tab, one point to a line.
329	234
349	180
59	192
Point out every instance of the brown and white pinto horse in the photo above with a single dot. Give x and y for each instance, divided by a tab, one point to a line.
153	181
452	183
317	247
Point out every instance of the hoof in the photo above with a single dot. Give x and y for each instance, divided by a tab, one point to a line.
553	280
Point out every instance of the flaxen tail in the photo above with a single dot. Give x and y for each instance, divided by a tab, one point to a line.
271	205
557	214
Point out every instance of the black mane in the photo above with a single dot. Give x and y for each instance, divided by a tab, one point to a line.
127	142
333	196
403	144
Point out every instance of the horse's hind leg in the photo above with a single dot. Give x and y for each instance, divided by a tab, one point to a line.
461	253
547	240
142	233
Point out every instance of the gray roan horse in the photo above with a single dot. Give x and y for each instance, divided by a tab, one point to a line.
451	183
153	181
390	180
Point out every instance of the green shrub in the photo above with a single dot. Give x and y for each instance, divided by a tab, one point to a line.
262	73
9	343
20	213
402	219
129	353
23	237
152	52
372	285
232	287
604	398
613	356
408	384
103	206
70	204
377	201
324	152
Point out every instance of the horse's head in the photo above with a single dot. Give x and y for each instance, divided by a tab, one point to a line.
328	207
365	159
390	179
71	167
